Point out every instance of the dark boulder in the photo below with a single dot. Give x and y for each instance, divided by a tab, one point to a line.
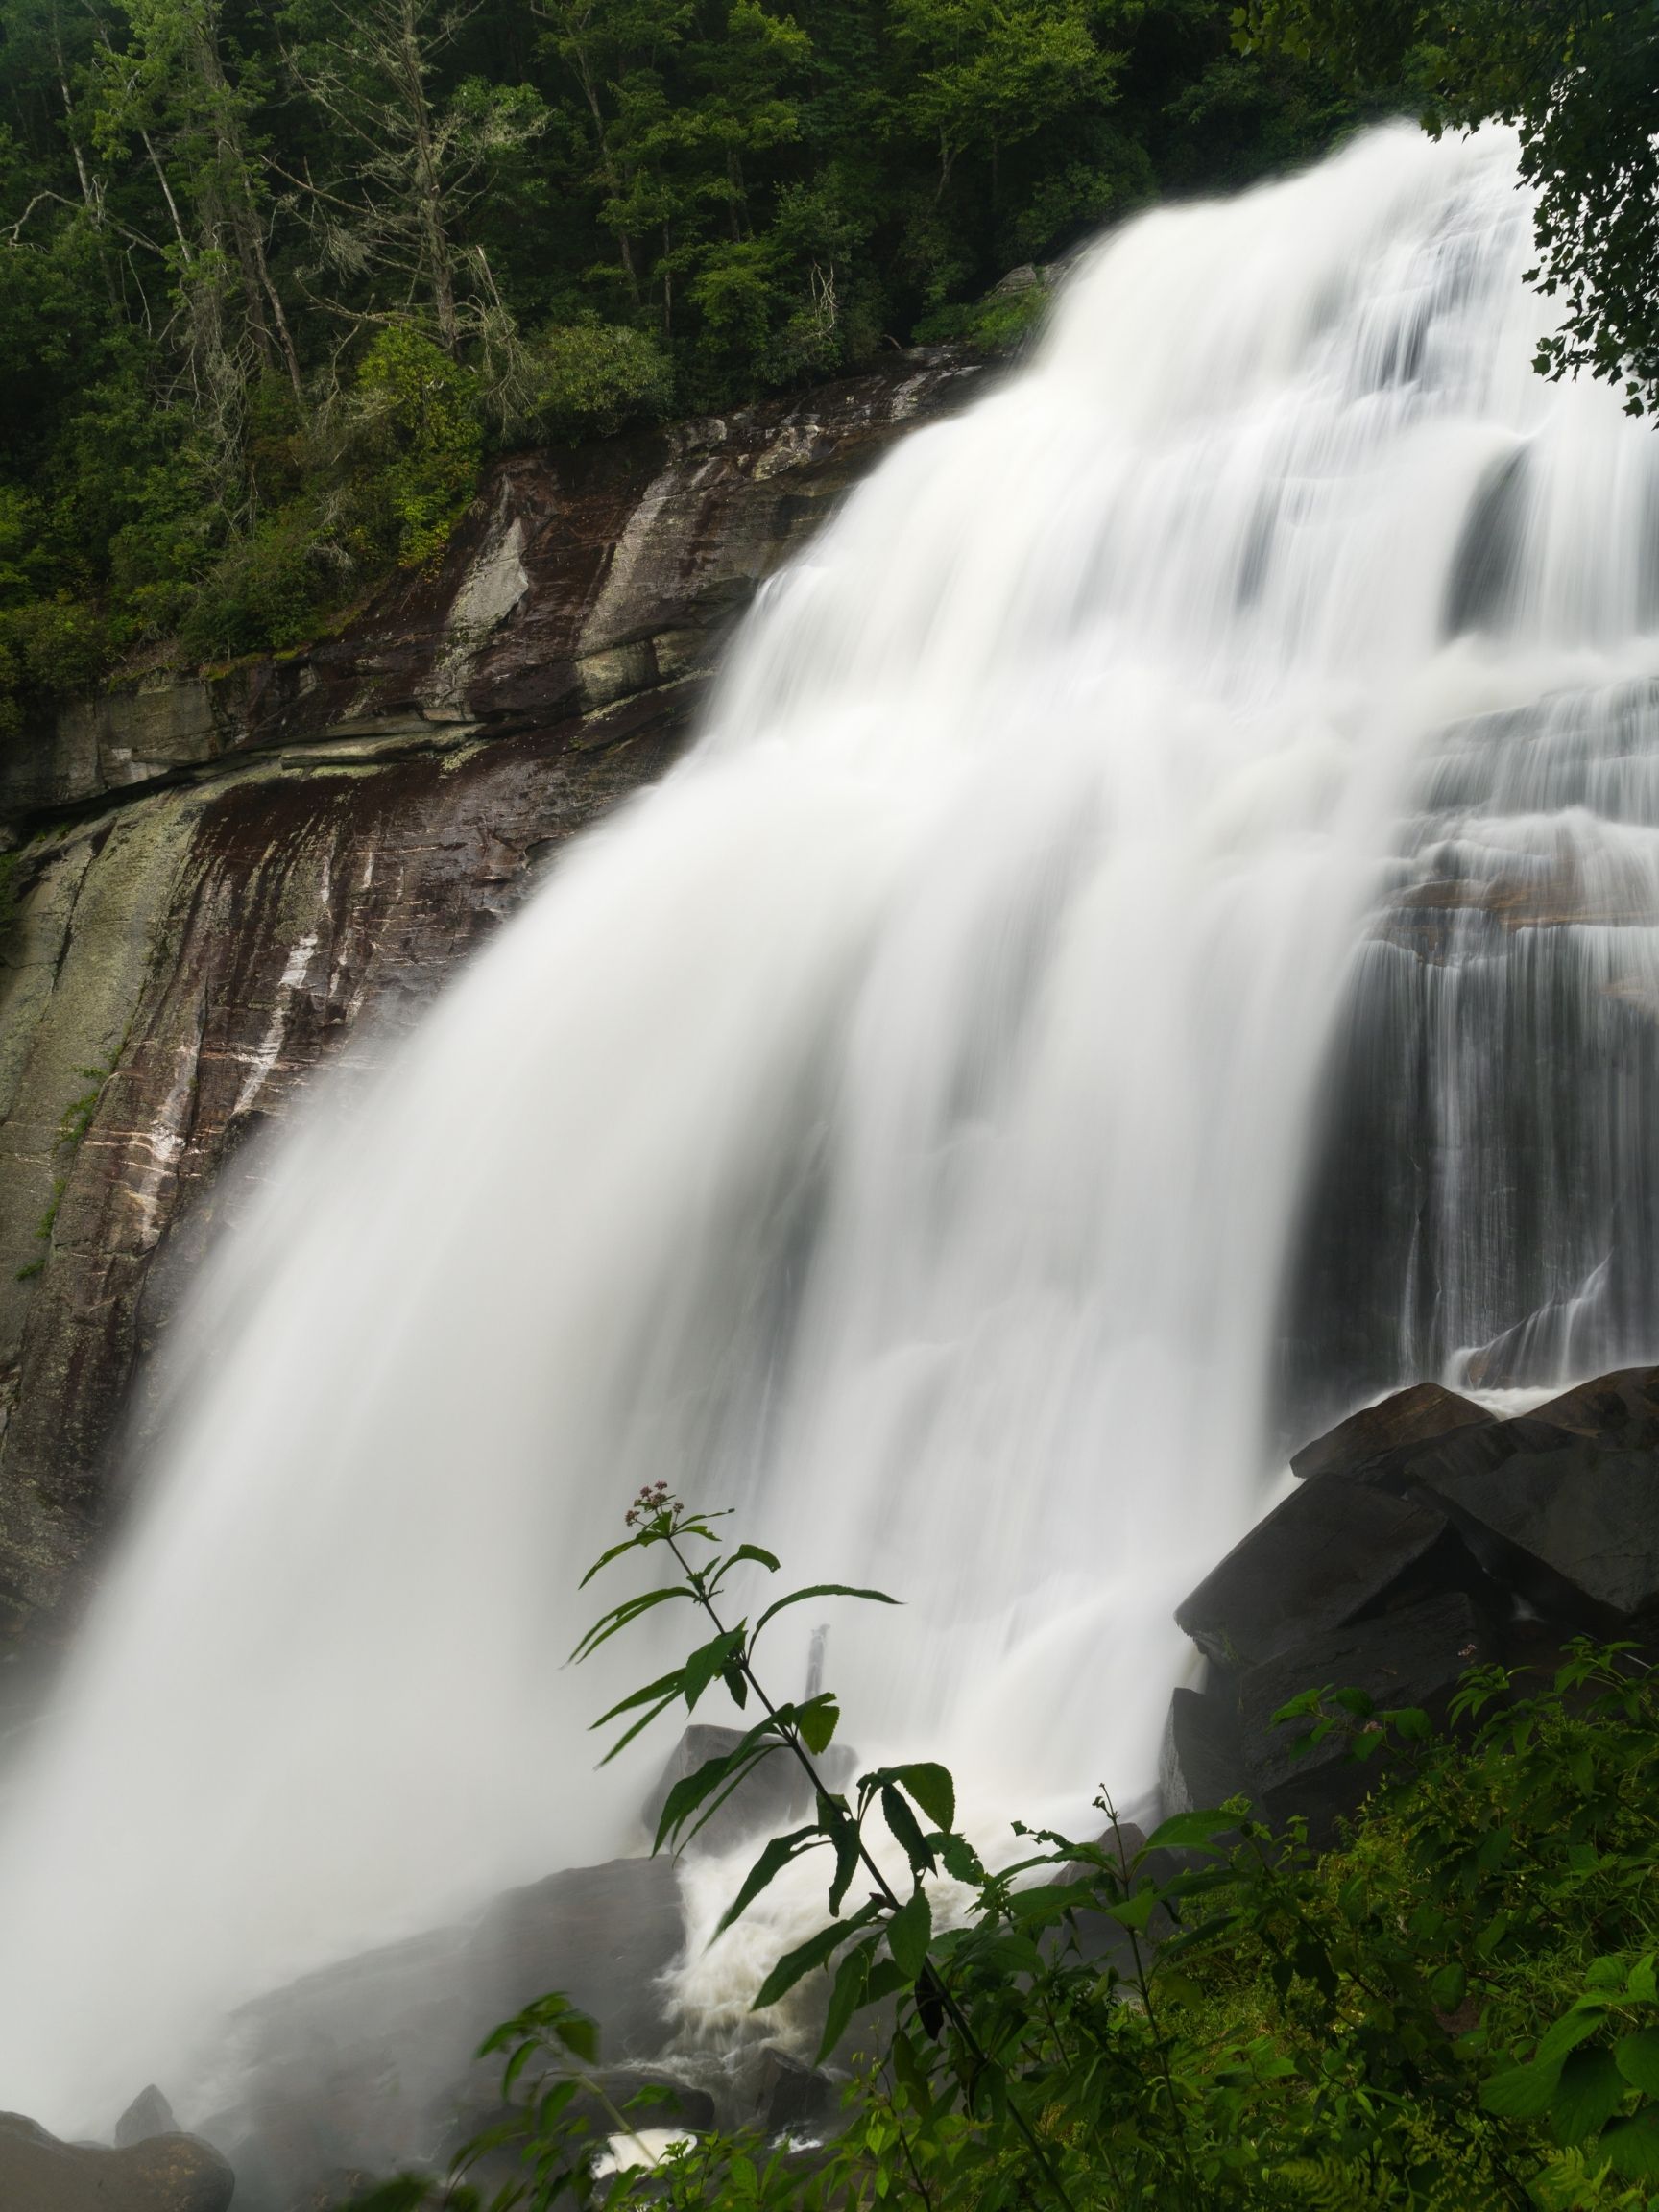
1572	1527
1413	1656
1409	1417
791	2097
361	2068
603	1934
1334	1549
1621	1410
164	2174
148	2114
1202	1763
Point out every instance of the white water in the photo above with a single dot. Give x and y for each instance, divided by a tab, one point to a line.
894	1126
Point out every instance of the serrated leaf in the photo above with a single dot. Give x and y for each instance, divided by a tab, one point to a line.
691	1791
806	1955
817	1722
1448	1987
616	1551
622	1616
1571	2030
666	1687
933	1788
822	1590
780	1853
845	1996
911	2073
1135	1912
1590	2091
708	1661
1642	1986
1631	2147
1190	1832
640	1725
1522	2093
760	1557
843	1829
1637	2058
578	2033
903	1824
909	1933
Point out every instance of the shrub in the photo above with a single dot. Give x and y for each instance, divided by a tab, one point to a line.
1455	2010
585	380
414	441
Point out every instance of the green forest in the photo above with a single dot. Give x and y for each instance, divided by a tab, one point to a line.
274	282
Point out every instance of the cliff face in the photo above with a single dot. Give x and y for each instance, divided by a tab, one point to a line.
220	879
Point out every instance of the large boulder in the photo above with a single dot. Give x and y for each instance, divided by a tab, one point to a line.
1572	1527
1334	1549
1409	1417
1201	1764
163	2174
363	2067
147	2115
1413	1656
1560	1506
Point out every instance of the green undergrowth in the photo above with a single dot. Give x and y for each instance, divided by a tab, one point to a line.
1454	2009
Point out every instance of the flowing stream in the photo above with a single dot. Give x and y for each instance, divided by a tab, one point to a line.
1156	943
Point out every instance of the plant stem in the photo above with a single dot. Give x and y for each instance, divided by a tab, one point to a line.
931	1978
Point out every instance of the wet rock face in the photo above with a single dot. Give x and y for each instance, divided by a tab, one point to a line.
1484	1190
244	871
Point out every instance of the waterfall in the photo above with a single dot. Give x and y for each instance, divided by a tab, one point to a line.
1157	936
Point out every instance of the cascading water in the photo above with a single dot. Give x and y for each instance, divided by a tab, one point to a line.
895	1125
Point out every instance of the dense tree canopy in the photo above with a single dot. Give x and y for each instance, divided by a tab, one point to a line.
1580	80
274	277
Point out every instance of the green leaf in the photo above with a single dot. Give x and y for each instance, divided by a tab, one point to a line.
666	1687
909	1933
708	1661
845	1830
1448	1987
823	1590
911	2073
817	1722
689	1792
1572	2029
639	1727
806	1955
778	1854
1637	2058
762	1558
623	1616
1135	1912
628	1544
1523	2093
1631	2147
1190	1832
578	2033
1590	2091
845	1996
931	1786
905	1831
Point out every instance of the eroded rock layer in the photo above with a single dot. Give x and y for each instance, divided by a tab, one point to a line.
222	878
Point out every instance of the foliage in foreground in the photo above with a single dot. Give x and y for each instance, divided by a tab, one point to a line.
1457	2009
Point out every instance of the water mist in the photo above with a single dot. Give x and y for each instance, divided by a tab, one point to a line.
894	1125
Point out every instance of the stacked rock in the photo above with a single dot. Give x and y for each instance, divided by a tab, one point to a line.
1425	1535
